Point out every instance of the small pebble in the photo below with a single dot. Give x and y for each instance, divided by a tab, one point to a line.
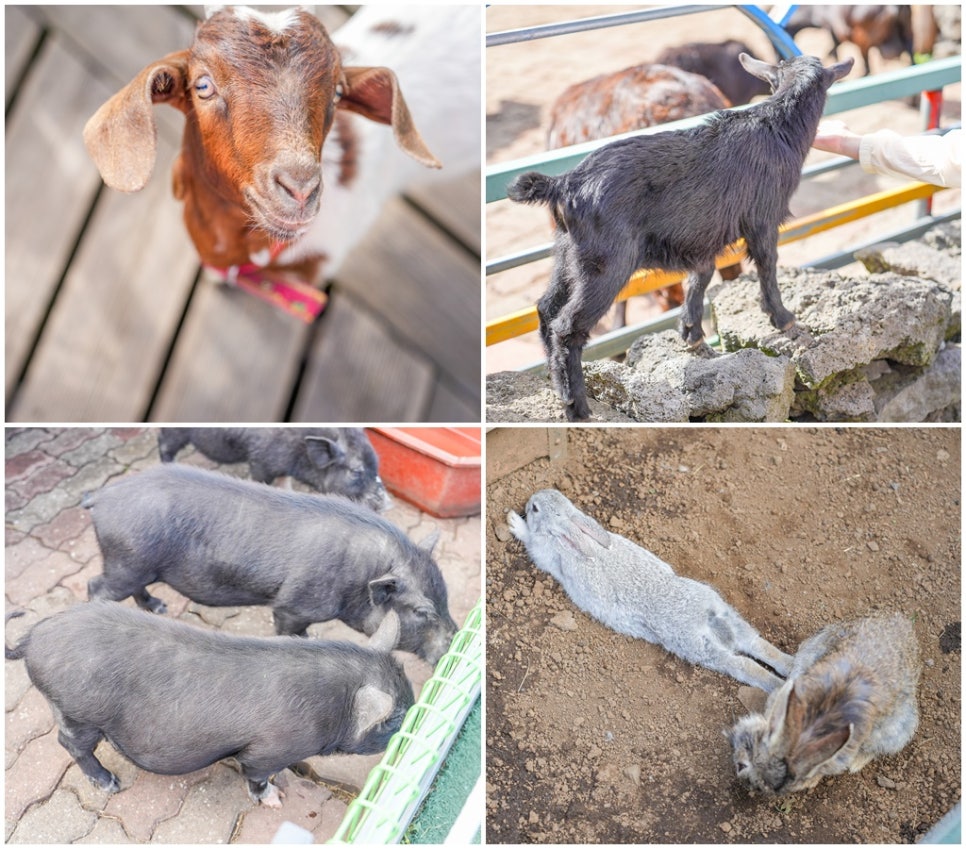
725	826
502	532
888	783
564	621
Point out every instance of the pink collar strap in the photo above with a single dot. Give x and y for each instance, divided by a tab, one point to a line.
299	299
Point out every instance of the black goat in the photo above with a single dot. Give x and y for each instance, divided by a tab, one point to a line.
718	62
674	200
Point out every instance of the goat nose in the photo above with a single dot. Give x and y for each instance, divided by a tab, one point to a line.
300	183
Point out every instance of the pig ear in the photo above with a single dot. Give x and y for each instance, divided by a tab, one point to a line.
372	706
381	590
386	637
322	452
121	136
428	543
374	93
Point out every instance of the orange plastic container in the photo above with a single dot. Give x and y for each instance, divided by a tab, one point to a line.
435	468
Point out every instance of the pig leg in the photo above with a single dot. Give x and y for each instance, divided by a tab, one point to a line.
290	624
115	589
80	741
265	792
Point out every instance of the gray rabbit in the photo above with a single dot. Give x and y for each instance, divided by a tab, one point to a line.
850	697
630	590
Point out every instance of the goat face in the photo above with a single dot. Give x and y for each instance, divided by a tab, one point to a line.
259	92
262	91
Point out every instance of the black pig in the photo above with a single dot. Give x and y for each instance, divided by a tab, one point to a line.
336	460
174	698
222	541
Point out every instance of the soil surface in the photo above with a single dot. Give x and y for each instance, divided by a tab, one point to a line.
524	79
593	736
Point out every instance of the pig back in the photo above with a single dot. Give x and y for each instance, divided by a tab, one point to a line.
224	541
174	698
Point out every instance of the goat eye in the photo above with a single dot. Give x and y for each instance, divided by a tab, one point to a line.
338	93
204	87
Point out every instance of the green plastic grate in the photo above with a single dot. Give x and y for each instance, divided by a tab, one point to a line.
396	787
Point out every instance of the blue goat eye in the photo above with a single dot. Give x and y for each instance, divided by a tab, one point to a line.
338	93
204	87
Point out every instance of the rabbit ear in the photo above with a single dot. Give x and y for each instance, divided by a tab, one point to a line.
818	728
584	535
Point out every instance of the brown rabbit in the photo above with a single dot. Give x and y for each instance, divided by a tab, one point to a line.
850	697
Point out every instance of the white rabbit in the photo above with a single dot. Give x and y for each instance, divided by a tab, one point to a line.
632	591
850	697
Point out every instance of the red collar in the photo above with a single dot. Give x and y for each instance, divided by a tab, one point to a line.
292	296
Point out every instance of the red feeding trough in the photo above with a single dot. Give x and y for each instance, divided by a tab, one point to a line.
435	468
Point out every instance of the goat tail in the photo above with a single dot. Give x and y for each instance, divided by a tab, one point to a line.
19	650
533	187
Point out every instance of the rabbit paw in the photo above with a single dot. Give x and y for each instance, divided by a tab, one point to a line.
518	526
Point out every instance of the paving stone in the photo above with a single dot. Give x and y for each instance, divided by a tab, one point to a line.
16	683
65	527
14	500
22	466
84	548
44	478
150	800
210	809
141	446
107	830
29	719
42	509
90	478
60	819
22	555
41	576
35	774
330	818
24	439
65	440
77	583
302	802
91	797
93	450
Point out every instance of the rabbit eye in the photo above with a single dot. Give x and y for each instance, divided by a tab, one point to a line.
534	509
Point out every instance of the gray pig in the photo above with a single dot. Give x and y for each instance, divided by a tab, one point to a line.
222	542
174	698
337	460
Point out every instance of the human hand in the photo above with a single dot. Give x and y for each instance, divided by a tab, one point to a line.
835	137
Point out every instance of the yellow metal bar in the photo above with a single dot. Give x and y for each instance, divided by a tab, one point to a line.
646	280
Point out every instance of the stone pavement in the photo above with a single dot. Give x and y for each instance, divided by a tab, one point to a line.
51	553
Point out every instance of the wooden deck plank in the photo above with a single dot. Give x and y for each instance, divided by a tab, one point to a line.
359	372
113	320
449	405
50	184
456	202
235	360
20	36
427	287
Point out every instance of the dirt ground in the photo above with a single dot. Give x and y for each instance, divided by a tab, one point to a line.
523	80
597	737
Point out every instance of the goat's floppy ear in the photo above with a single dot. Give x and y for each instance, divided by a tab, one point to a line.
121	136
374	93
759	69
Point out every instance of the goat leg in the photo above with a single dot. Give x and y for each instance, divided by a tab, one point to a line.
764	253
579	410
693	309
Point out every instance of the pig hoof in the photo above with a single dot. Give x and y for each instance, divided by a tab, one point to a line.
266	793
155	605
108	783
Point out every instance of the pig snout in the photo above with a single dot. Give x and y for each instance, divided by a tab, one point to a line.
429	639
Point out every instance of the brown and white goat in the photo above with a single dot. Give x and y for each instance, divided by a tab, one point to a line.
261	92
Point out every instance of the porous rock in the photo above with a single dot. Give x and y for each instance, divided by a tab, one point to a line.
844	322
